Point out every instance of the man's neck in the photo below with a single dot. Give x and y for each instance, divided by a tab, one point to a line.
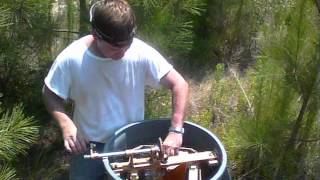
91	43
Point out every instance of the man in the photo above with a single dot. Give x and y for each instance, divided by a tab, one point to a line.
105	75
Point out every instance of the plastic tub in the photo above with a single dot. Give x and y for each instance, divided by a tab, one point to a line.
148	132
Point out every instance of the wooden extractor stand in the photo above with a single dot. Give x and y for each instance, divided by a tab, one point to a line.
150	162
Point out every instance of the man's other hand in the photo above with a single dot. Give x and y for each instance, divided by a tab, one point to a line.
74	142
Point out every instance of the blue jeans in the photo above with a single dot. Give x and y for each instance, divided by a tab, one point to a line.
87	169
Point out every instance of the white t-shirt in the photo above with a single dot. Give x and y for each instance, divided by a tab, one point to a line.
108	94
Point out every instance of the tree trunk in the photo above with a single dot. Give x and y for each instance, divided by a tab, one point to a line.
84	18
318	4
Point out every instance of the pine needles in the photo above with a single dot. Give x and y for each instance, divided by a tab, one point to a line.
6	172
4	17
17	134
168	24
267	144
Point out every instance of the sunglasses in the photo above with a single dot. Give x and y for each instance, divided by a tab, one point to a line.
110	40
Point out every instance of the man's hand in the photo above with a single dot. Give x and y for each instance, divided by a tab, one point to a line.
74	142
172	143
179	88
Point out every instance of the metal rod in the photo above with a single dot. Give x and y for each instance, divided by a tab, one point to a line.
123	153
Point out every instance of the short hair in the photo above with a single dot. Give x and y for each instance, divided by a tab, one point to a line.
113	20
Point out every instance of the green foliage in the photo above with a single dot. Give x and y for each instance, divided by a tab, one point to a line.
168	24
6	172
268	143
17	133
219	72
29	21
224	34
218	99
294	46
47	162
251	137
24	48
203	117
4	17
158	104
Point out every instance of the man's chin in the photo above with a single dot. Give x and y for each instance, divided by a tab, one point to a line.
117	58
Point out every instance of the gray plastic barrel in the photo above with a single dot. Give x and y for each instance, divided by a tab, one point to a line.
148	132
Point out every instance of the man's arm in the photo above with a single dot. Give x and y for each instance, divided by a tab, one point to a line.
179	88
74	142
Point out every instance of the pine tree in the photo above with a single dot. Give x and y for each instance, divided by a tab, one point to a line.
275	142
